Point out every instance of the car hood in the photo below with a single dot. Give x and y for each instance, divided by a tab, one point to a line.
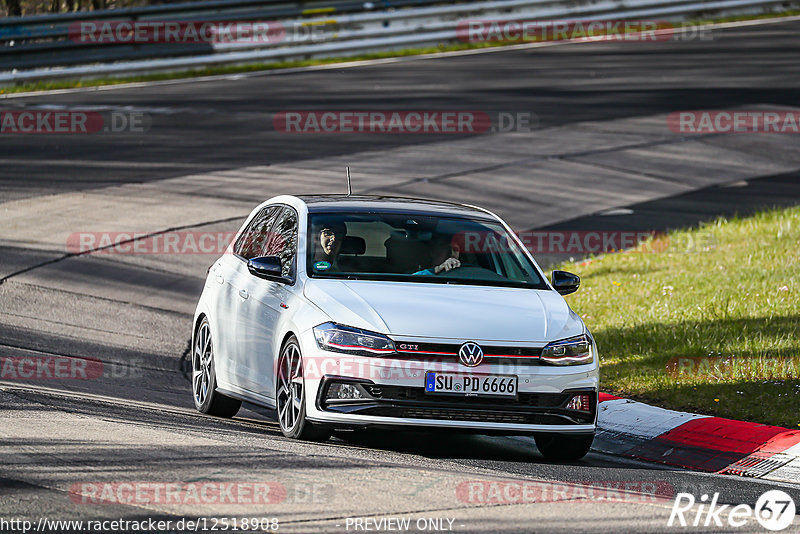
457	312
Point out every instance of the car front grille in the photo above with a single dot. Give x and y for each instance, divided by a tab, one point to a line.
401	394
481	416
448	352
414	403
486	417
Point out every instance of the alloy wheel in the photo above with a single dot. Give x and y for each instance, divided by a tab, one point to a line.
201	364
290	387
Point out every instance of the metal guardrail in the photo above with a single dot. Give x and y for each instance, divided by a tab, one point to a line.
44	40
28	44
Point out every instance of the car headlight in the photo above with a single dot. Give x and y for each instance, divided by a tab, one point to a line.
573	351
337	338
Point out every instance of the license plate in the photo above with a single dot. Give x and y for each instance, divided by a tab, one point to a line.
471	385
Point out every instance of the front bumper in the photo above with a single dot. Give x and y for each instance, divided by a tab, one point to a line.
396	396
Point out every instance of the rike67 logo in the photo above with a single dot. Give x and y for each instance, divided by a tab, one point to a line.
774	510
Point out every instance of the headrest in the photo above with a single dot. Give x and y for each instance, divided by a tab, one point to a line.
353	245
405	255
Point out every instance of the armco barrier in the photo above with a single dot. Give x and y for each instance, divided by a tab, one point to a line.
41	48
45	41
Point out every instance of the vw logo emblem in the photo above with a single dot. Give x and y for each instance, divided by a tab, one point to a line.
470	354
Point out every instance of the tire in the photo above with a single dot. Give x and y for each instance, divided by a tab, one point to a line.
563	448
204	377
290	396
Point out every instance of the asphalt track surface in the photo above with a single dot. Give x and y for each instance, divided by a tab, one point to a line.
199	127
136	424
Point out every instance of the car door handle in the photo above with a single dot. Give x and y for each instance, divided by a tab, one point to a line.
220	279
243	293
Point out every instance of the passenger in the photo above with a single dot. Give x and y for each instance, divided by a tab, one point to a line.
445	258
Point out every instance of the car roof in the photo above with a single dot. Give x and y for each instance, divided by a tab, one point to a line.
370	203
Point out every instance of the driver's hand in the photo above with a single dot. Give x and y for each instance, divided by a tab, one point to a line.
447	265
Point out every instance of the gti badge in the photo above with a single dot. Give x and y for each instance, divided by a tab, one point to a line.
470	354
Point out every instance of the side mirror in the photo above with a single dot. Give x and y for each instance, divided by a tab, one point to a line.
266	267
565	283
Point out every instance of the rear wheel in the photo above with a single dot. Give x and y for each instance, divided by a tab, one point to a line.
291	396
563	448
204	378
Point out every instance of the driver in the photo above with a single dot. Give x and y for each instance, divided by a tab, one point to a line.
445	258
330	236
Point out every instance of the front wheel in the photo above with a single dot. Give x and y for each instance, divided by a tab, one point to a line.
563	448
291	396
204	377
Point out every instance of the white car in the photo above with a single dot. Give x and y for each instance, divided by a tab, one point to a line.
345	312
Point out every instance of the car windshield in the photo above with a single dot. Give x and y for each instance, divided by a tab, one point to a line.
417	248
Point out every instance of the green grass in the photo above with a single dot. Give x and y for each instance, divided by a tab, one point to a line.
705	320
739	18
255	67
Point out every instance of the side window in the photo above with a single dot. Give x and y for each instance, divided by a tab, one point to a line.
283	241
256	235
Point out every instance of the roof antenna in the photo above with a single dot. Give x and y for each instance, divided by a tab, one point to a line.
349	189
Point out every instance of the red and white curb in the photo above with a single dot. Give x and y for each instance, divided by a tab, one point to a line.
699	442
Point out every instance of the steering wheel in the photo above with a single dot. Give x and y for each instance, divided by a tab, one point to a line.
465	270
